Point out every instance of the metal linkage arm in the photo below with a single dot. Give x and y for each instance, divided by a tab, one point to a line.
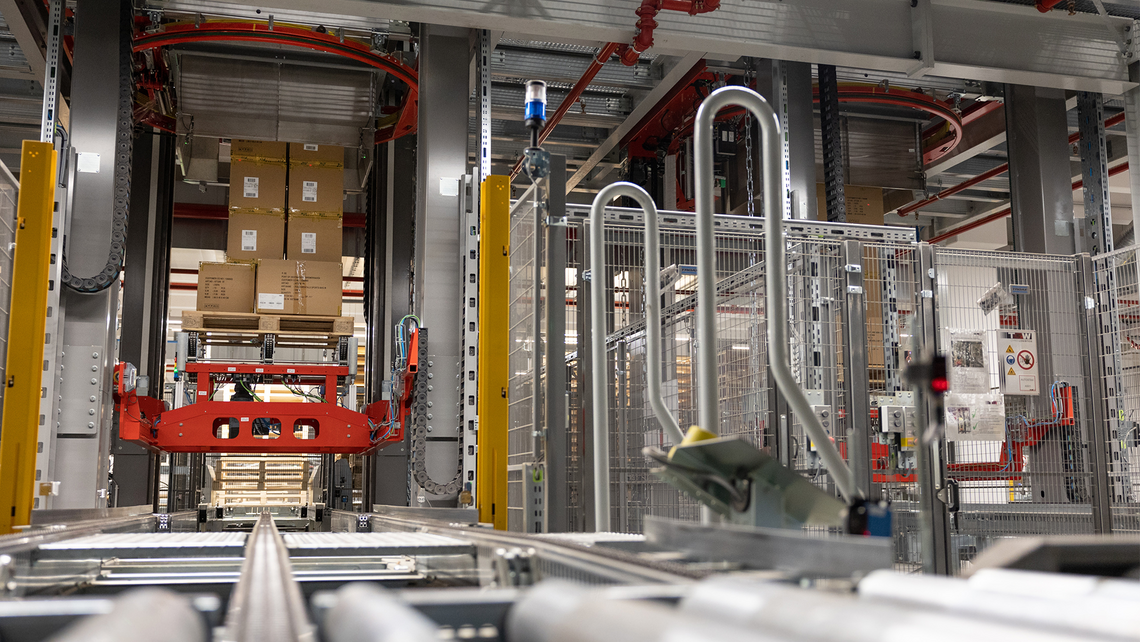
598	336
266	604
772	157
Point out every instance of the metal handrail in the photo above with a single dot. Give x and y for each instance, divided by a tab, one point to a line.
772	180
600	391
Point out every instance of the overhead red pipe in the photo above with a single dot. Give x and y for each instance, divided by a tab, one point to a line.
1003	168
646	13
575	93
950	191
1045	5
1123	167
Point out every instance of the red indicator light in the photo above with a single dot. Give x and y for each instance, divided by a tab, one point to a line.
939	385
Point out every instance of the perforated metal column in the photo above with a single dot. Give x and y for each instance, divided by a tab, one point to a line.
831	130
99	192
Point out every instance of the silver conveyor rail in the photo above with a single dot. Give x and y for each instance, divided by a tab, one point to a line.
772	162
267	605
600	385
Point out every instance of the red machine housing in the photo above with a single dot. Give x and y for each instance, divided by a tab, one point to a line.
205	426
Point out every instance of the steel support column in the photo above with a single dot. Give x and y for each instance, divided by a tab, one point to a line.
1039	174
145	286
1094	174
831	132
1132	130
101	140
554	349
442	162
932	473
390	239
1105	415
856	394
788	87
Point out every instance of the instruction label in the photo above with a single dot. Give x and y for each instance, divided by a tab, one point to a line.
969	372
309	147
975	417
1019	362
308	242
250	186
309	191
249	240
267	301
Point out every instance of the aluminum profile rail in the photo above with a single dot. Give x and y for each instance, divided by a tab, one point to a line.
772	157
598	343
267	605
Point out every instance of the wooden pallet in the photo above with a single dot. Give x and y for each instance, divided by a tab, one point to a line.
196	321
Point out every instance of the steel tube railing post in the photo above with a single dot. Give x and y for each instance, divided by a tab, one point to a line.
772	161
598	336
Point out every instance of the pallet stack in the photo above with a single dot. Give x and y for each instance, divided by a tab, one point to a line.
283	247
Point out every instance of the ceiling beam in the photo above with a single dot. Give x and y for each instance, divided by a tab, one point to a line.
972	39
676	74
29	37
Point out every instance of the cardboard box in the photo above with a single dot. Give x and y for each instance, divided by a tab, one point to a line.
226	287
864	204
314	237
257	150
257	184
255	234
316	189
299	287
313	154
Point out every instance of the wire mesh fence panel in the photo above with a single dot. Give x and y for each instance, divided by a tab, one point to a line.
524	336
1117	301
816	291
1019	411
892	288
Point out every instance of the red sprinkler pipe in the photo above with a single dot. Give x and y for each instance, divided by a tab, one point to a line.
572	97
1045	5
646	13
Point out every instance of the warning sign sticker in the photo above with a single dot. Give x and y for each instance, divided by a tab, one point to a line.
1019	376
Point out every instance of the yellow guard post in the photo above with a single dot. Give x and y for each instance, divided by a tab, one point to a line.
26	320
494	369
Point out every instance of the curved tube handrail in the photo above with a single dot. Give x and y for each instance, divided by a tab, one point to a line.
772	163
600	390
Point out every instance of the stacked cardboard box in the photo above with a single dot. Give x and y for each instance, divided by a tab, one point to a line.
316	202
258	173
267	181
299	287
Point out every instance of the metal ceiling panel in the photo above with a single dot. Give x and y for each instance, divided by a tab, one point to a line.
237	98
280	16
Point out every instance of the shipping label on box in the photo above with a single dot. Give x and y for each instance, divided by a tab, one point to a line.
226	287
255	234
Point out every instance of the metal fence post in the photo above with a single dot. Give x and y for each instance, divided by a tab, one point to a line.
856	393
1095	364
932	480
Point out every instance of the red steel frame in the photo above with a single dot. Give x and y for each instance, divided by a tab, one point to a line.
194	428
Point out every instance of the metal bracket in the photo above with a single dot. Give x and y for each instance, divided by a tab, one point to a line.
515	567
922	38
854	289
536	163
